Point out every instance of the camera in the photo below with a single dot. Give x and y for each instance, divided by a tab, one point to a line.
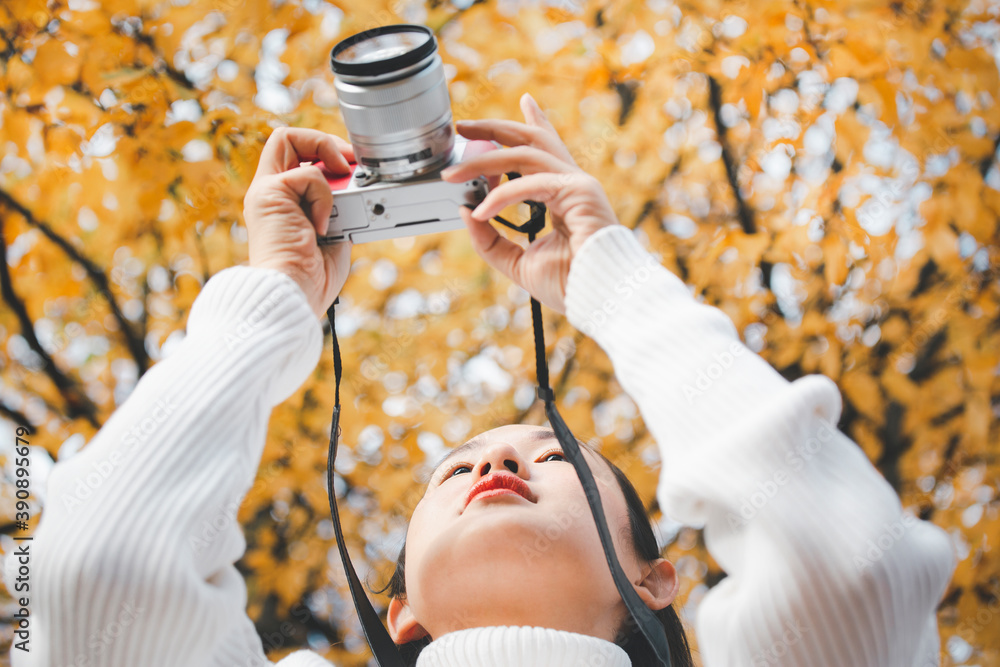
394	99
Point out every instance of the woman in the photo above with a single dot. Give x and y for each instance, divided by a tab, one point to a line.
134	554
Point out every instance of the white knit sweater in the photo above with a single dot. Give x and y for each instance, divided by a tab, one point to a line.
823	567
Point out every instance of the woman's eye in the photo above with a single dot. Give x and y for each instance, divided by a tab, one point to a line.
452	474
561	457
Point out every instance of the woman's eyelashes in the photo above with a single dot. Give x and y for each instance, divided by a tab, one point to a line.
543	458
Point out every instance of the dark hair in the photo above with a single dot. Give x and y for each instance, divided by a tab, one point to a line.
628	636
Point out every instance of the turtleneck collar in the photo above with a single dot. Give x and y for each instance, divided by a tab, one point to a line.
520	646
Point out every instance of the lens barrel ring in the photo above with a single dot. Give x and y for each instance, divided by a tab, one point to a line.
380	67
393	96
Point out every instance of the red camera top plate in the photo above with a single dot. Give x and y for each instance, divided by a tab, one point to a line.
337	181
472	149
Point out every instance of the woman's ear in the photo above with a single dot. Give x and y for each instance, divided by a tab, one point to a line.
403	628
660	585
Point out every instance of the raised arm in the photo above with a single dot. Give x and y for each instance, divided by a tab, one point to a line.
134	555
824	569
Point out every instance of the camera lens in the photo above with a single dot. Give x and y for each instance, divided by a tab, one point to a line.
394	98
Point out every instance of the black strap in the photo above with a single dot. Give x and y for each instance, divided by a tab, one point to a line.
385	651
383	648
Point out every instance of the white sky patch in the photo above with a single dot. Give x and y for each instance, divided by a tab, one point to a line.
109	168
383	274
731	65
102	143
842	95
196	150
608	413
10	163
784	101
636	48
731	26
405	305
21	245
788	292
272	95
87	219
227	70
777	164
482	369
329	27
432	445
196	58
550	40
818	139
182	110
167	210
36	144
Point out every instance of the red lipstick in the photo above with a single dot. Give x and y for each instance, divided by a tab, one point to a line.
501	480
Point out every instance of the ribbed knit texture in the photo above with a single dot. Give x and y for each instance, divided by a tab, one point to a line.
521	646
823	569
133	556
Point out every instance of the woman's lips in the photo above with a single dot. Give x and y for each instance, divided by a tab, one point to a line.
500	483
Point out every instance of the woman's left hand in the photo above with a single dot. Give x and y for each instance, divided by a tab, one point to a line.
287	205
576	201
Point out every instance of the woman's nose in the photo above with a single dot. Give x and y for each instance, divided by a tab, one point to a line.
499	456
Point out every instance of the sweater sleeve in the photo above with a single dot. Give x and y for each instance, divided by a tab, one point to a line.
133	558
823	566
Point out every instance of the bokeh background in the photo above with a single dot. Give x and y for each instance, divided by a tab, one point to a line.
825	172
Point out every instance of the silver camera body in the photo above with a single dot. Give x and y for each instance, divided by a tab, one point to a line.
394	98
366	208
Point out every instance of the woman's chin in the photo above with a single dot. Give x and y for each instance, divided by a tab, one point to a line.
500	535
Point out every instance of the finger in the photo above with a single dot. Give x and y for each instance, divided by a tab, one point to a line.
347	150
288	147
500	253
535	116
313	191
512	133
522	159
337	261
542	188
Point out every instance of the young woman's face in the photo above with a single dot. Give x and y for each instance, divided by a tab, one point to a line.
507	559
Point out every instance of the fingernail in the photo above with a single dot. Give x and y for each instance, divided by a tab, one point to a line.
448	171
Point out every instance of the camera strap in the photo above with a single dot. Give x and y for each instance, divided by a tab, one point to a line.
383	648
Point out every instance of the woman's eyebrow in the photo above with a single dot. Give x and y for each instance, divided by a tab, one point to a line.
540	434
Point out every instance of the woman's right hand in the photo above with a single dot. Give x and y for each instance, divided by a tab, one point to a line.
287	205
576	201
